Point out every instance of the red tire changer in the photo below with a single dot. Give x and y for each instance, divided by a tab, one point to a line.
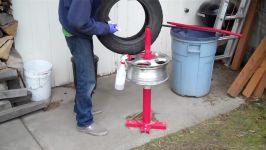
147	69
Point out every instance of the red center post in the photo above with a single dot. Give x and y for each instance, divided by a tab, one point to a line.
146	123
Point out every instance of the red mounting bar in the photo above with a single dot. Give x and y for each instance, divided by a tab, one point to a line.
148	40
148	37
204	28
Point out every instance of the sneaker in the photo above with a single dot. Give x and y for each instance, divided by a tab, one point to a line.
93	129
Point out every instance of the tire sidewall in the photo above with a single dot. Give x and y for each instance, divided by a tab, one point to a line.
135	43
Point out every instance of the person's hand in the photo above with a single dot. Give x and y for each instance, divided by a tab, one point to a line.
112	28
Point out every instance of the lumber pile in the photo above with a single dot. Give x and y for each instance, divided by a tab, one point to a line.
251	81
15	99
246	33
8	28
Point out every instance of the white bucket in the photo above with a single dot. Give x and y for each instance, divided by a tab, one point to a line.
38	79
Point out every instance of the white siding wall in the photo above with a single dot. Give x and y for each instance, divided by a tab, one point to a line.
39	33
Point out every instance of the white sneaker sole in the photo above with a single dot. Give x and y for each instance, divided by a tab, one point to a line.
91	132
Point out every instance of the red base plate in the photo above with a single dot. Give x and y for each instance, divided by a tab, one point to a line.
145	128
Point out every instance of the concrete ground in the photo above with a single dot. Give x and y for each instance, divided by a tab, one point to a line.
55	129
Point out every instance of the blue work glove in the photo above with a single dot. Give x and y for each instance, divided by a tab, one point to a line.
112	28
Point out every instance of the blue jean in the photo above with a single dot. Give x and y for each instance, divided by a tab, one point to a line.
82	51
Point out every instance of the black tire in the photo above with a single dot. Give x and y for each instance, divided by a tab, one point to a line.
134	44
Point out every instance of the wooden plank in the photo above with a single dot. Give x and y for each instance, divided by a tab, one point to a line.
3	40
5	105
6	19
8	74
10	29
255	80
16	83
21	110
246	73
13	84
21	100
26	101
13	93
2	65
5	50
242	44
261	87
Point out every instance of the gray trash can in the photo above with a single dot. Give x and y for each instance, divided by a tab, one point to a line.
193	55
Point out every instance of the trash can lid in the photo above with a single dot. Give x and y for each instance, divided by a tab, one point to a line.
193	35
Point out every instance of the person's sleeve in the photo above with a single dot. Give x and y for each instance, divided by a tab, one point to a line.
79	17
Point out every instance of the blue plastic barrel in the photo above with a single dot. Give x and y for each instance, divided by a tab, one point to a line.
193	55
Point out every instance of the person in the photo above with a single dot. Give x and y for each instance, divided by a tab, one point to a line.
77	18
